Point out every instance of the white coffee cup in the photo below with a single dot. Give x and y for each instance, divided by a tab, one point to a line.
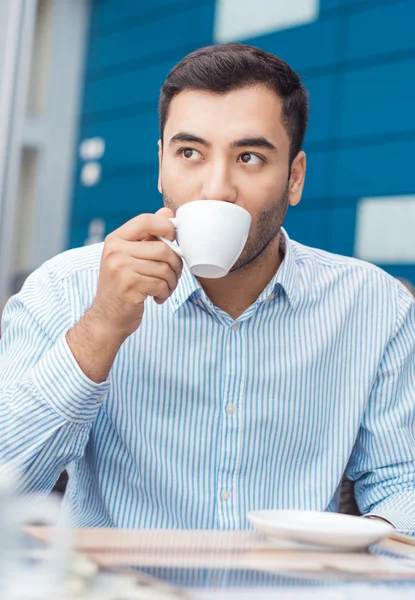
211	235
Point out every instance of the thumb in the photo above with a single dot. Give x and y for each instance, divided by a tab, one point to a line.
165	212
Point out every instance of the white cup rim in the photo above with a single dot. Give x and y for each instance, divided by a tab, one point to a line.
221	202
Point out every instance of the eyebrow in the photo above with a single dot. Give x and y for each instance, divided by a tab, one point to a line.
252	142
189	137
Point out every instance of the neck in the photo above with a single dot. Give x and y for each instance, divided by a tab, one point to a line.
241	288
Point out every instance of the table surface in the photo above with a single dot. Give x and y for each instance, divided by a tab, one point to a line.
224	560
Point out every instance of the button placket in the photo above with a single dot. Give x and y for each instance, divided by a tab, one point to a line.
230	444
226	495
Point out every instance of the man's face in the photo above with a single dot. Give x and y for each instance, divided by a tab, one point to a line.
231	147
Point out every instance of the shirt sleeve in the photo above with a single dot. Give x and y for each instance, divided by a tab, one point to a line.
383	460
47	404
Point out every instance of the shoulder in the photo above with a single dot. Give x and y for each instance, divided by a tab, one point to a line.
66	282
56	294
85	260
334	266
349	282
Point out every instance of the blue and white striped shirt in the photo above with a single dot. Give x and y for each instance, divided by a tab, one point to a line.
204	418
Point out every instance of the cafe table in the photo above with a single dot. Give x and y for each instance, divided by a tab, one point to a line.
240	564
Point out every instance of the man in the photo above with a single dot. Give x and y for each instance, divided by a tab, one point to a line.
177	402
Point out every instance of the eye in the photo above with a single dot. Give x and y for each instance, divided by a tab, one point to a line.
250	159
190	153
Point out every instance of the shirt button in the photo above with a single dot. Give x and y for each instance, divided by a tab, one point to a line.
235	327
226	495
231	409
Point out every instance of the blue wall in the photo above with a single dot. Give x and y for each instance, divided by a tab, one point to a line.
357	60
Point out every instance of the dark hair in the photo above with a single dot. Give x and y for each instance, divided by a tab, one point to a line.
227	67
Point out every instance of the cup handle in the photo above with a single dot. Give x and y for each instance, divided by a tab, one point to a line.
170	244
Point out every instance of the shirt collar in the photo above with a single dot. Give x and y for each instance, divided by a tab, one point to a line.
286	277
188	285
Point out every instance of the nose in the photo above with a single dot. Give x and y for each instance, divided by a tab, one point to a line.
217	184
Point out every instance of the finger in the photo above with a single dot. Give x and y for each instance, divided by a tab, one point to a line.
165	212
144	225
155	270
153	251
154	287
159	300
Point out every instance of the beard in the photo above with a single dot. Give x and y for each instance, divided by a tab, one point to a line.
263	232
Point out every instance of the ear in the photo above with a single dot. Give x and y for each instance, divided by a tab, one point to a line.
160	155
297	178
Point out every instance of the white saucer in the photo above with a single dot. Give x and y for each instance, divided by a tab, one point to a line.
312	530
